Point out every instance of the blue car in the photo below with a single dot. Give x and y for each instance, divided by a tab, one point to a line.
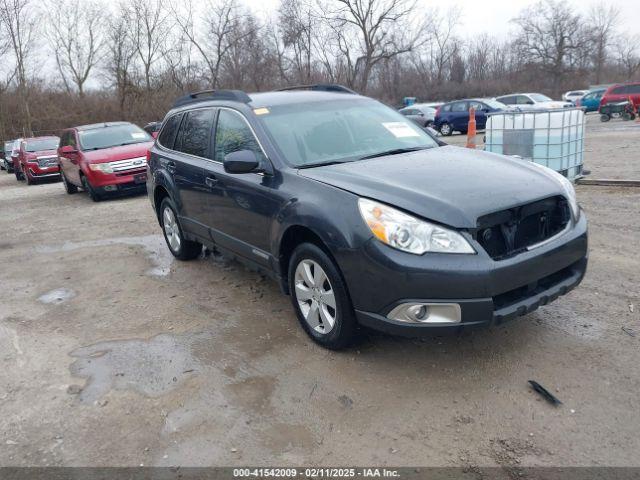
454	116
591	101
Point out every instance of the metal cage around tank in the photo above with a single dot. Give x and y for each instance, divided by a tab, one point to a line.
553	138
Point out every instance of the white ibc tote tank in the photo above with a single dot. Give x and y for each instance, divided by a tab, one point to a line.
553	138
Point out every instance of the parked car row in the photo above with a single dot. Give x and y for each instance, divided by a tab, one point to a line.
101	159
453	116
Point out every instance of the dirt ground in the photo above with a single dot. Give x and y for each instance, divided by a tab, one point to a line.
112	354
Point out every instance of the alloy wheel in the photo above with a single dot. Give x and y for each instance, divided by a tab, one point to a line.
315	296
171	229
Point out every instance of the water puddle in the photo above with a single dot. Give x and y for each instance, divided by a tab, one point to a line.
155	246
151	367
57	296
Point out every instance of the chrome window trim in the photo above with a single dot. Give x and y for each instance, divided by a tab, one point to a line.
253	132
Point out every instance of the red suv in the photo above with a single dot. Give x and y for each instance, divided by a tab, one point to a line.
37	159
621	93
104	158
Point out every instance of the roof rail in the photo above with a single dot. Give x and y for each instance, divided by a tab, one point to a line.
321	87
232	95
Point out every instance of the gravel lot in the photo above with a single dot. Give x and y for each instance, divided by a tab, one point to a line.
111	354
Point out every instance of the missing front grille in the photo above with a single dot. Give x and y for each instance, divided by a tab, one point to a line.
506	233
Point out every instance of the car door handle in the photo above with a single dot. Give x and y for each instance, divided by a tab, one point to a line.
171	167
210	181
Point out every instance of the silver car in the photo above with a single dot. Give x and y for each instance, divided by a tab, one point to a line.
420	113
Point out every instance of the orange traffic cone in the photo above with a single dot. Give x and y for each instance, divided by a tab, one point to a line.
471	129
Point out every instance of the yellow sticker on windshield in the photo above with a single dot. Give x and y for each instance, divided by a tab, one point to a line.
261	111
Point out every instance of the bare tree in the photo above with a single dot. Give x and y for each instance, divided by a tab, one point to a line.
602	22
150	20
75	33
213	37
370	31
298	23
120	54
20	29
553	37
628	55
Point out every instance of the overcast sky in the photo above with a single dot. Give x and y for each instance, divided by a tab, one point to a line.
493	16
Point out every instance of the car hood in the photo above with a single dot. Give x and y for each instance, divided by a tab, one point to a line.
113	154
449	185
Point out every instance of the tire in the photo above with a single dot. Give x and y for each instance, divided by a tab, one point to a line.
604	117
428	124
328	298
70	188
19	176
86	185
446	129
30	181
179	246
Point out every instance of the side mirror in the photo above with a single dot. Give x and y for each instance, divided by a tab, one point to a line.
68	149
421	114
242	161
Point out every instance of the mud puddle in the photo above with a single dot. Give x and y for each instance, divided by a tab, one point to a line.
155	246
57	296
151	367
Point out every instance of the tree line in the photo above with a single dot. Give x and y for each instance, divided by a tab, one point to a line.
129	60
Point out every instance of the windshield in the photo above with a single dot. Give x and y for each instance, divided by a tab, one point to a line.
112	136
42	144
538	97
340	131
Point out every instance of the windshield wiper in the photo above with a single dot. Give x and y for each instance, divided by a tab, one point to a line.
394	151
321	164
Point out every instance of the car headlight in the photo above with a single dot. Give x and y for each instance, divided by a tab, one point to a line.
409	234
101	167
567	186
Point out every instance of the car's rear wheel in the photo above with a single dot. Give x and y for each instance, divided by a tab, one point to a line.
604	117
320	297
446	129
86	185
69	187
180	247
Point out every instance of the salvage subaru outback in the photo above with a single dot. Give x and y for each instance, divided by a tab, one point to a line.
363	217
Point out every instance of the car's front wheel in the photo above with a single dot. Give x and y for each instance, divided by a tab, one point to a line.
180	247
320	297
86	185
69	187
446	129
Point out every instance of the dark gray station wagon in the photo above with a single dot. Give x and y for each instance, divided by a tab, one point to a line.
362	216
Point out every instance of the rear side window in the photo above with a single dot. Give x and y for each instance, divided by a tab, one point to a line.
511	100
194	134
618	90
459	107
446	108
168	133
233	134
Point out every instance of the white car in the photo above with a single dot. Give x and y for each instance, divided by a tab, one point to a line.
574	95
532	101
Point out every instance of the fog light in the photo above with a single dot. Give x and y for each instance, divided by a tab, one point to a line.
110	188
426	313
417	312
